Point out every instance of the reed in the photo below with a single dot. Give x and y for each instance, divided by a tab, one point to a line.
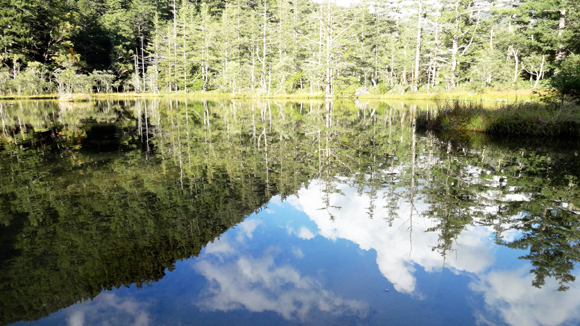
524	118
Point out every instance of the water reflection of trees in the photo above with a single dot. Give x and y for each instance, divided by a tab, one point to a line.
76	219
511	189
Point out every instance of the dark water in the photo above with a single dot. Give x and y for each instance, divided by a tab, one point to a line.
267	213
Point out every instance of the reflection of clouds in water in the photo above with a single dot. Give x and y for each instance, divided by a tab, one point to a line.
510	294
396	254
259	284
108	309
302	233
297	252
247	229
220	246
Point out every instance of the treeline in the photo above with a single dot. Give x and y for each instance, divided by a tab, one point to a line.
281	46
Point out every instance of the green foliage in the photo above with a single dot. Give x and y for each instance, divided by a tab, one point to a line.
552	119
345	86
284	47
566	82
488	69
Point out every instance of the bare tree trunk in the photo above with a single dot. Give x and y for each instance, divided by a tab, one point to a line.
418	49
175	39
264	39
561	51
517	61
328	54
541	71
436	54
491	39
142	58
169	60
204	47
184	51
137	79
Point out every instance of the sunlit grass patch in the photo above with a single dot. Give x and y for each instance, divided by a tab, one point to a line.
487	96
530	118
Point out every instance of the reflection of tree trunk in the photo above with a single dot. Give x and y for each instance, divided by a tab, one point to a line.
413	166
253	125
319	153
179	150
2	116
139	123
447	200
187	133
267	165
206	121
146	126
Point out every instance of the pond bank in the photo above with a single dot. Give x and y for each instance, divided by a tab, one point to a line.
528	118
495	96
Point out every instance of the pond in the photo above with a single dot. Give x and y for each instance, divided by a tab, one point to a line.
215	212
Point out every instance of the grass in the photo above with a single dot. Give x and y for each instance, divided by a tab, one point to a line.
523	118
488	96
29	97
209	95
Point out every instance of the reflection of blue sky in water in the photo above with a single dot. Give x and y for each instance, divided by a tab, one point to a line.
506	287
292	264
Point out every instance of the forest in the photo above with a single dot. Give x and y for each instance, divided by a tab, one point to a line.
272	47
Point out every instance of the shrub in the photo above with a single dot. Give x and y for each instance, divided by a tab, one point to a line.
345	86
565	83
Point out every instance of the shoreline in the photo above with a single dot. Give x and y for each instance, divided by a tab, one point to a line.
523	118
491	96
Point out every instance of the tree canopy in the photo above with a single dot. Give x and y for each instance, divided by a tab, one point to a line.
281	46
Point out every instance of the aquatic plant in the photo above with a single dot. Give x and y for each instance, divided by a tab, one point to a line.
524	118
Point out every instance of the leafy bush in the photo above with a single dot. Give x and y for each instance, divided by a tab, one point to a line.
345	86
566	82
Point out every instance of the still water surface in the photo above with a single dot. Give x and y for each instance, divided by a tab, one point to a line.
267	213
